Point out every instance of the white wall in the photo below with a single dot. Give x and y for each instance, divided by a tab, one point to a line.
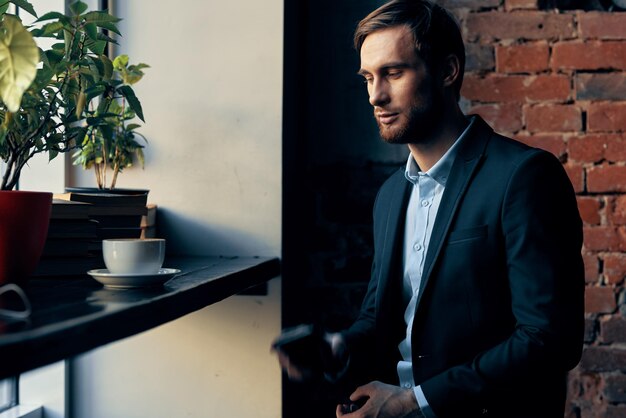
212	100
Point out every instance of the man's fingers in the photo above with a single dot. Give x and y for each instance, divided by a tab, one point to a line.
362	392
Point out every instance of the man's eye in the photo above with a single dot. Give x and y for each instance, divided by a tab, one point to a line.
394	74
368	80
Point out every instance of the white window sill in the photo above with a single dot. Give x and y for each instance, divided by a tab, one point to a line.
23	411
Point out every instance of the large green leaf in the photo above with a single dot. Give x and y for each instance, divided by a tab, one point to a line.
133	101
52	15
24	4
3	9
19	57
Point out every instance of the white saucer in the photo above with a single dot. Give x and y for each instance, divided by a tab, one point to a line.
127	281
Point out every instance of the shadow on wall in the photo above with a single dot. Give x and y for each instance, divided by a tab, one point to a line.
190	236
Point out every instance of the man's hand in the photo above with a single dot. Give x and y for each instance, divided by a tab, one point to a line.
383	401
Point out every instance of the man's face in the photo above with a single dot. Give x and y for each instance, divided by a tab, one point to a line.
406	101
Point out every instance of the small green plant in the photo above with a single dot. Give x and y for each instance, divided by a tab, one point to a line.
110	142
48	97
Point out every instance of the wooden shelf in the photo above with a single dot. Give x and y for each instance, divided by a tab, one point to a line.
72	316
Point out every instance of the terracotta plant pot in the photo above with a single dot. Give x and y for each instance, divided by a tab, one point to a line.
24	219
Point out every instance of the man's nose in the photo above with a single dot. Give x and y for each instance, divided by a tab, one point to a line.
379	93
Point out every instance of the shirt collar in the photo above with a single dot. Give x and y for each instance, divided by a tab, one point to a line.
441	170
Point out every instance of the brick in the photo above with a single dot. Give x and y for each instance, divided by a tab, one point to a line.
601	86
503	117
575	172
601	238
599	299
589	208
615	388
516	88
551	143
602	25
617	210
603	359
590	148
606	178
520	4
614	268
584	386
553	118
606	116
521	25
616	148
592	268
479	57
470	4
613	329
591	55
621	233
524	58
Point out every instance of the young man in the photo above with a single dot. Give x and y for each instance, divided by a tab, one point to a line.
475	303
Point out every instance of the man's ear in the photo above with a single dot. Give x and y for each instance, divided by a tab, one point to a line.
451	69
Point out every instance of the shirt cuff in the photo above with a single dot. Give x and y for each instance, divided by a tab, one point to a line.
427	411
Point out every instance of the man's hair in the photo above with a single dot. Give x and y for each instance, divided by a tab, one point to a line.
435	31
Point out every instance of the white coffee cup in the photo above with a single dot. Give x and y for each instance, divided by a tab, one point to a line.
133	255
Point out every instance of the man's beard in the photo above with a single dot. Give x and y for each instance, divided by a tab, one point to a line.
420	123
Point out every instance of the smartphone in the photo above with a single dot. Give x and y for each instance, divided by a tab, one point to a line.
305	346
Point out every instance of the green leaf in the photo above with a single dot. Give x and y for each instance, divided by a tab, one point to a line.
111	27
94	91
97	47
81	100
19	57
78	7
103	20
24	4
133	102
120	62
52	154
3	9
52	15
92	31
108	67
54	57
132	126
103	37
99	17
48	30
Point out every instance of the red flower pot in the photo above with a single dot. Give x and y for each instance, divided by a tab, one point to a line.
24	220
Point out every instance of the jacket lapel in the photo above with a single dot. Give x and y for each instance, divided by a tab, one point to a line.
393	233
468	159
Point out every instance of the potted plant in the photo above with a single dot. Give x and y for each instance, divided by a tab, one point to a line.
45	97
110	142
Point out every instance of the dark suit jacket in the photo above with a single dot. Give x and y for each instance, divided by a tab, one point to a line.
499	320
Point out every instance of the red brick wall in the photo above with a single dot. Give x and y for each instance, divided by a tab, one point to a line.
557	80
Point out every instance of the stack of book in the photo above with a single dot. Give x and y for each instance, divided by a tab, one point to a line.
148	222
118	215
72	246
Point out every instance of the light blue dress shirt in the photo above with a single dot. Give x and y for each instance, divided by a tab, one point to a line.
428	188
